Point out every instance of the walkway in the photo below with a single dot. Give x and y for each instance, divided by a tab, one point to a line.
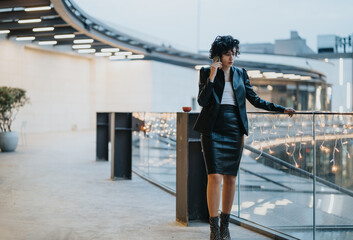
52	188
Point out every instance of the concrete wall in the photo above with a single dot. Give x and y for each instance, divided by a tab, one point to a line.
57	84
66	90
173	87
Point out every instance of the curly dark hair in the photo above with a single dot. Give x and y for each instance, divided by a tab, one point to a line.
222	44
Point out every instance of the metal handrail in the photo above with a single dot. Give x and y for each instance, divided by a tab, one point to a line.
303	113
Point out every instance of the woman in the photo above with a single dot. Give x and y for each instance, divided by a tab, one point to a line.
223	122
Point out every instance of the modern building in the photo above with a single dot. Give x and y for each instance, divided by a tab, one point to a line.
333	64
76	69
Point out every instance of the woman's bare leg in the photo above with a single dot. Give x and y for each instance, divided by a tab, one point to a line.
213	193
228	193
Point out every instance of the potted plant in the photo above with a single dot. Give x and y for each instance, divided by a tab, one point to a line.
11	100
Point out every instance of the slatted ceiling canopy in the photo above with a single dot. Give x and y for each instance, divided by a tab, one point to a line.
23	3
67	18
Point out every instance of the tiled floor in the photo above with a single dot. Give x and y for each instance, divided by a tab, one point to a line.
52	188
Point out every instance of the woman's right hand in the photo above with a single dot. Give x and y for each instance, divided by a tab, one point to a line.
214	67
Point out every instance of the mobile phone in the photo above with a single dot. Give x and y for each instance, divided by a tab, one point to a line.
216	59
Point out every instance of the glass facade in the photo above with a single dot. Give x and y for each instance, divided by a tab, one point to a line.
298	95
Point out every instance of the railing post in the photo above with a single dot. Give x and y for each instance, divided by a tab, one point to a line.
314	175
121	145
191	176
102	136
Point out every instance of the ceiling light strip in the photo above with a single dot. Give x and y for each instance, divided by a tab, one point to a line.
42	8
78	41
43	29
82	46
110	50
87	50
123	53
29	38
135	56
63	36
47	42
102	54
24	21
117	57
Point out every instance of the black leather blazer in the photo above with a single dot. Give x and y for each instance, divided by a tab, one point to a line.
210	96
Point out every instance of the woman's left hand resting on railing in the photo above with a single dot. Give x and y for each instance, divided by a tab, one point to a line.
289	111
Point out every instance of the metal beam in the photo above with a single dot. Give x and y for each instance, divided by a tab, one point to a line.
62	42
27	15
99	46
43	23
23	3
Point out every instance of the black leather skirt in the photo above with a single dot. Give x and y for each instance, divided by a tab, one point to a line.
223	147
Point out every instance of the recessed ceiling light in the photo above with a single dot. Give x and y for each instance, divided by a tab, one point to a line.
83	41
123	53
117	57
110	50
62	36
103	54
35	20
47	42
81	46
5	10
43	8
25	38
43	29
87	50
135	56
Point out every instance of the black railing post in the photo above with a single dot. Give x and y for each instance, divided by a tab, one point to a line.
121	145
102	137
191	177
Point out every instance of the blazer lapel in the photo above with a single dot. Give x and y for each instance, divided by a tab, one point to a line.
219	86
238	85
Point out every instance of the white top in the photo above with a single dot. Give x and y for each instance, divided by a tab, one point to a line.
228	94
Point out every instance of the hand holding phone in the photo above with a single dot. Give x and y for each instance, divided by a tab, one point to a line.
217	64
216	59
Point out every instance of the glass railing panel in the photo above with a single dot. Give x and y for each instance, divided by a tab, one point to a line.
154	147
275	180
334	170
274	185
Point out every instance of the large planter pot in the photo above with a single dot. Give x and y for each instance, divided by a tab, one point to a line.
8	141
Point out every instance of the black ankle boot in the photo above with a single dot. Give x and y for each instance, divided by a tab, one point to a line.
214	235
224	229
